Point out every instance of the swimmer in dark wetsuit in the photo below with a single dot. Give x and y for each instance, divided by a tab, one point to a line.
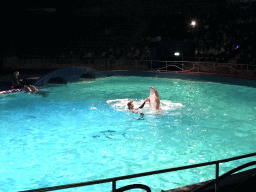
136	110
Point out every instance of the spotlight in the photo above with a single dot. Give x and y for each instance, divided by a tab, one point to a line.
177	54
193	23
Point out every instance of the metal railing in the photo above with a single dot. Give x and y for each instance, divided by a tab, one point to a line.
228	69
115	179
233	69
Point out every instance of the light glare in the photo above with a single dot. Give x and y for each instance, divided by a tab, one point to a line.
177	53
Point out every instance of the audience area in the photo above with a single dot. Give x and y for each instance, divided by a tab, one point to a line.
224	35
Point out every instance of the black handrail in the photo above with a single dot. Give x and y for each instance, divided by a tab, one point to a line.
134	186
114	179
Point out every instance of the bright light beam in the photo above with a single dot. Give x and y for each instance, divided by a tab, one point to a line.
177	54
193	23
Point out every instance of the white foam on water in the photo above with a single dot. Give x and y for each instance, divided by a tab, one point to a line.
121	105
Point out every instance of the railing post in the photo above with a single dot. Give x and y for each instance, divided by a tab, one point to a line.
114	186
151	65
217	178
166	65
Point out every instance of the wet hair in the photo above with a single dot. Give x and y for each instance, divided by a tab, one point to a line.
129	104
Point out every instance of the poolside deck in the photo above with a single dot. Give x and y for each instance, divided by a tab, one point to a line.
31	76
227	184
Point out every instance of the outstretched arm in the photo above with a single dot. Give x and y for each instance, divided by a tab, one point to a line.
140	107
146	100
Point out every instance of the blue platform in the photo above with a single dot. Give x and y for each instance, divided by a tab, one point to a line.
68	74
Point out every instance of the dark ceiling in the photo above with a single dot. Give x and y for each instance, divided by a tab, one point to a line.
94	8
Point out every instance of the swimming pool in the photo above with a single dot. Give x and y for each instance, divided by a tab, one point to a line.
82	131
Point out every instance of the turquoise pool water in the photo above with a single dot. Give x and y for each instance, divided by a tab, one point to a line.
83	131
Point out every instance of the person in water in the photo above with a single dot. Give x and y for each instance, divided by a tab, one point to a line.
136	110
154	101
